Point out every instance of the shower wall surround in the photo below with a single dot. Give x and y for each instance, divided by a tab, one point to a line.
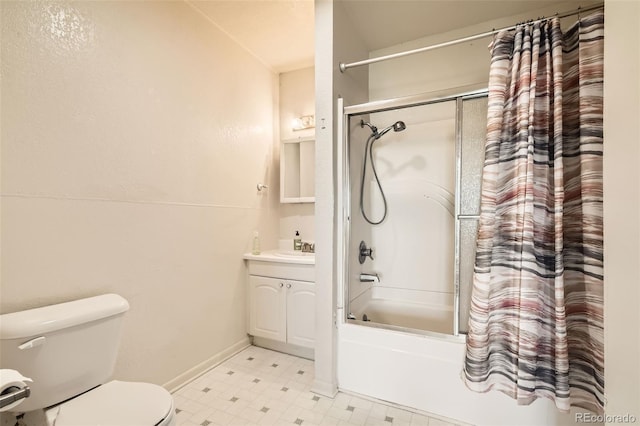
417	172
133	135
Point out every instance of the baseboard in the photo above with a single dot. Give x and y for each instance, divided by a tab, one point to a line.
192	373
324	388
287	348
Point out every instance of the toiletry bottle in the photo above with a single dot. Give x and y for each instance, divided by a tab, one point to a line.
297	242
255	249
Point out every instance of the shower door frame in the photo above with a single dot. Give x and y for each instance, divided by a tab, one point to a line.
344	196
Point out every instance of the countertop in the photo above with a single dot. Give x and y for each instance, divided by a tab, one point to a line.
282	256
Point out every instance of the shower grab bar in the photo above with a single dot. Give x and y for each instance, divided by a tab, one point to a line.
468	216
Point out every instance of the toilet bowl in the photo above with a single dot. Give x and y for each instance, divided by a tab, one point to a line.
69	352
116	403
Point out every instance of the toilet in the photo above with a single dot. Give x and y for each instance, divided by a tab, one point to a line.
69	350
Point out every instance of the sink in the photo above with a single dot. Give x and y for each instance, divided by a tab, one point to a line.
283	256
290	253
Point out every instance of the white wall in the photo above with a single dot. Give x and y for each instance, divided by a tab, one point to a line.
334	41
133	136
622	208
325	350
297	98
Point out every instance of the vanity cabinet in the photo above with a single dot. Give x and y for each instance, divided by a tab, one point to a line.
282	304
297	170
282	310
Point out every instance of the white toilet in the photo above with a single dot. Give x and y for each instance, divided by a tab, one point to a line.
69	351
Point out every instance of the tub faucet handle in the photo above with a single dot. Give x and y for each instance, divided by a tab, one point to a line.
364	253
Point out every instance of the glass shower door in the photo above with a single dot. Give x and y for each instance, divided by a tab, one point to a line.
472	123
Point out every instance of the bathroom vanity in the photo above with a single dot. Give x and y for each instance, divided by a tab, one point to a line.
281	303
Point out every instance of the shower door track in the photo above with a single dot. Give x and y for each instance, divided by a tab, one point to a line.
344	194
413	101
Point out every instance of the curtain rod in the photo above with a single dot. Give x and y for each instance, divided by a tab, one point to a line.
344	67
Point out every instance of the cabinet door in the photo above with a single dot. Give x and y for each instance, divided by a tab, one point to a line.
301	313
267	311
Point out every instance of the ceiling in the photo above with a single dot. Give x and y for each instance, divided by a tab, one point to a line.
278	32
281	32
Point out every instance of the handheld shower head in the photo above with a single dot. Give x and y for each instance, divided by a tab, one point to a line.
398	126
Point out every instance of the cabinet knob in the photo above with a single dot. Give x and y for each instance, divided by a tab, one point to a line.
288	285
281	285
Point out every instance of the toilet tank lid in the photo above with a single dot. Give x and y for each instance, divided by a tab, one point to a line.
51	318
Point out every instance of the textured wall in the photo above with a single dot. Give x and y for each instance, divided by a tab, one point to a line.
133	136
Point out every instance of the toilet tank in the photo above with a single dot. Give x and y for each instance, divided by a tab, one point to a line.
66	349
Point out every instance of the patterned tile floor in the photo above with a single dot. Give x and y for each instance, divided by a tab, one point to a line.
262	387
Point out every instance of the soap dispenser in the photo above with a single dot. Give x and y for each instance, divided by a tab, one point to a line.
255	249
297	242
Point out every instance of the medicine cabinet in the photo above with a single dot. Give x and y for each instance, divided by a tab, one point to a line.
297	170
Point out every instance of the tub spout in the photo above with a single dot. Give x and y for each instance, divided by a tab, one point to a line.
369	278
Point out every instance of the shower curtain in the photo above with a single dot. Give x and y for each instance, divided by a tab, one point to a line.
536	322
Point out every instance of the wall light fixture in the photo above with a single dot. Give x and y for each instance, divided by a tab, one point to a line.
303	122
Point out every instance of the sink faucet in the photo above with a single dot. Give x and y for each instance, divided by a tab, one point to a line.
308	247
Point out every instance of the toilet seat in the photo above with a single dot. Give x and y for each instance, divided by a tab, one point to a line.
116	404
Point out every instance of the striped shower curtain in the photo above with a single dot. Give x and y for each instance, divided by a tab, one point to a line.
536	322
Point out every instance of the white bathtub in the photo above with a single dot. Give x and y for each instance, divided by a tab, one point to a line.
407	355
402	308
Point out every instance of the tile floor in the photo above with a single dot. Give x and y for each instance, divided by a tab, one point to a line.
262	387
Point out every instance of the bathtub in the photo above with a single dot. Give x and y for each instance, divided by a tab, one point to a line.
406	354
414	310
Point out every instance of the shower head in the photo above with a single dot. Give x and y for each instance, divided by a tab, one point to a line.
398	126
